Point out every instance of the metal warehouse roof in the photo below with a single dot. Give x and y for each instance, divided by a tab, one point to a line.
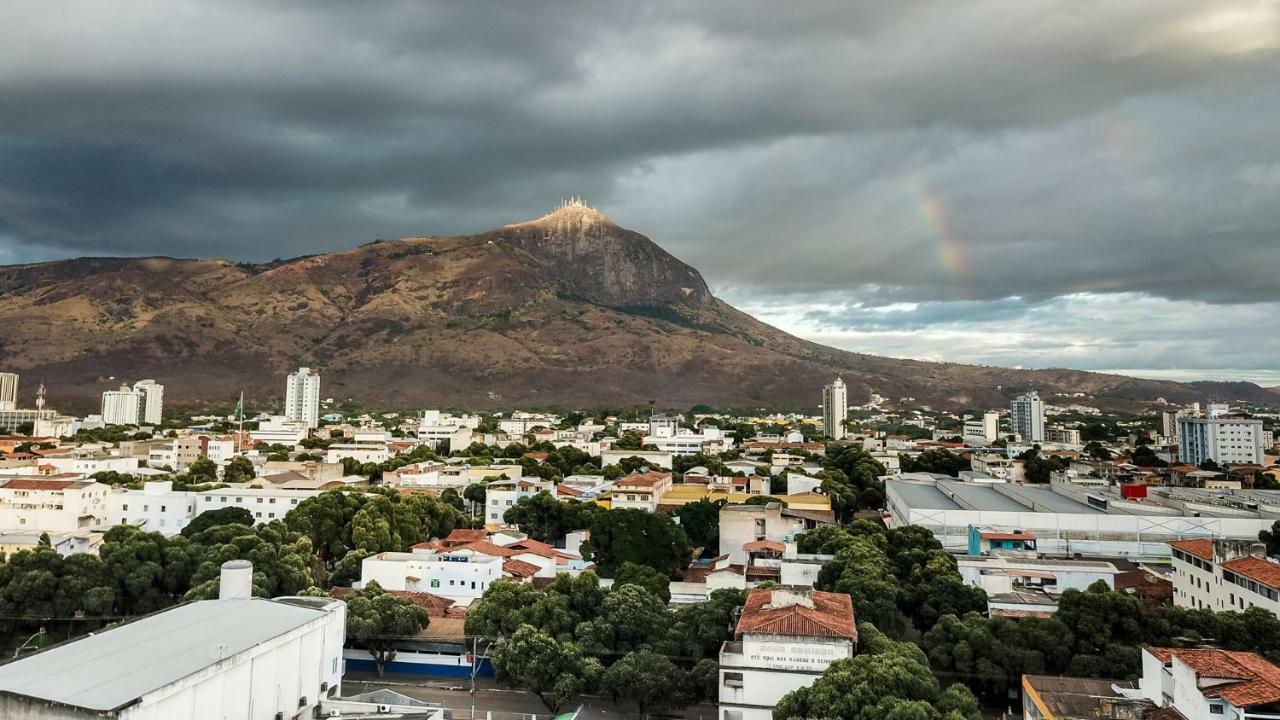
115	668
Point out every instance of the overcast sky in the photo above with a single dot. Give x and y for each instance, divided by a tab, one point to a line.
1082	184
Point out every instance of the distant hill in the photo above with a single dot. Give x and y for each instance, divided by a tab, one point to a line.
568	310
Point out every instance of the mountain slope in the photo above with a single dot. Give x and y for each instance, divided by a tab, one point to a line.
566	310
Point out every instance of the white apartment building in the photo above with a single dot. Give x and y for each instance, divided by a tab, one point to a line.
157	507
1223	439
190	448
711	440
8	391
302	397
234	657
1063	436
784	640
835	409
266	504
121	407
89	464
522	422
501	495
1224	575
664	426
360	452
996	466
1026	416
1210	684
150	401
63	504
459	576
640	491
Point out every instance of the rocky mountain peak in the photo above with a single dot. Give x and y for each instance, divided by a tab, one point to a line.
571	214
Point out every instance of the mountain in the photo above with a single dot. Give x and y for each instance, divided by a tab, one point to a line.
568	310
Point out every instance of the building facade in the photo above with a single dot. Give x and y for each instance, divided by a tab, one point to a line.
1210	684
157	507
151	401
120	407
1222	439
1026	415
8	391
302	397
1224	575
784	641
835	409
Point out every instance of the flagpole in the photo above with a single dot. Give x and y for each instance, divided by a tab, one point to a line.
240	427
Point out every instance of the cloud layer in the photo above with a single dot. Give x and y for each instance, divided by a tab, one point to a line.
984	162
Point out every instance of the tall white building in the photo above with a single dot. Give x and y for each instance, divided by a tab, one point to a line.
302	397
120	407
835	409
151	401
1222	439
991	426
8	391
1026	415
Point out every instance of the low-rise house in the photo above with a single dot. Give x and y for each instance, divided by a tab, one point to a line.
1047	697
359	452
460	574
741	525
640	491
783	641
61	503
501	495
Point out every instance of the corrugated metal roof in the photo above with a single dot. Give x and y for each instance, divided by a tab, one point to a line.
115	668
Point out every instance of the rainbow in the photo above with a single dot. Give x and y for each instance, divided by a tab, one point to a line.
933	210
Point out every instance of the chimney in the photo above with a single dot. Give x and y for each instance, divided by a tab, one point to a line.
236	580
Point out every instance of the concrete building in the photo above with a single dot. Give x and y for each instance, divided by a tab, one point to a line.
8	391
652	457
640	491
1067	518
664	426
455	574
360	452
1210	684
501	495
234	657
1052	697
1026	416
991	426
190	448
150	401
1224	575
51	504
121	407
302	397
1223	439
835	409
266	504
744	524
279	430
784	641
1063	436
157	507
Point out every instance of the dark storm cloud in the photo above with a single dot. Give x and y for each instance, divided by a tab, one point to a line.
937	152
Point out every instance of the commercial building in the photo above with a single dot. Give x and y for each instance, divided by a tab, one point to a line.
120	407
1223	439
150	401
1224	575
835	409
8	391
302	397
157	507
1068	518
234	657
784	641
1026	416
1210	684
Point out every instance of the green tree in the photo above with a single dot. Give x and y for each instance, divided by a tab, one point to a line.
202	469
377	620
701	522
556	670
630	618
644	538
646	577
648	679
239	469
220	516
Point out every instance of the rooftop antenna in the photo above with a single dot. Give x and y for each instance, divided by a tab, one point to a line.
40	396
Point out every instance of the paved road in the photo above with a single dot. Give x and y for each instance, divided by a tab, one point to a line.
499	703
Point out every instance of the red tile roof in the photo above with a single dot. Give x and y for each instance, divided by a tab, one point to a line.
831	615
1255	568
761	545
1202	548
22	484
1255	681
1008	536
640	480
435	605
462	537
568	491
519	568
484	547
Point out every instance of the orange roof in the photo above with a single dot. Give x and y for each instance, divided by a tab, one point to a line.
1202	548
462	536
23	484
1252	680
519	568
1008	536
1255	568
435	605
639	480
758	545
533	547
568	491
484	547
830	616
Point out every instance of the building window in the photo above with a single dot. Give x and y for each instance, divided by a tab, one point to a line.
125	508
733	679
435	583
1215	709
